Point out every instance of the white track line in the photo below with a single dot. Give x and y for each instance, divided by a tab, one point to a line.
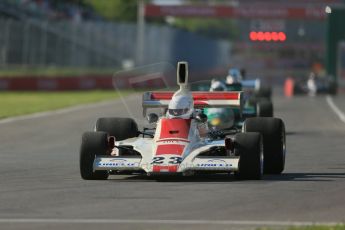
179	222
335	108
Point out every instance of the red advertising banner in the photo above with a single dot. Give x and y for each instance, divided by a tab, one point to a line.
235	12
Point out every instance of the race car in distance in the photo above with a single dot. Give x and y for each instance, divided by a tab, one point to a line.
181	142
314	85
256	96
227	118
257	100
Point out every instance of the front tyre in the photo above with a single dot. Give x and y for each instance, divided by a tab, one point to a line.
274	141
249	147
92	144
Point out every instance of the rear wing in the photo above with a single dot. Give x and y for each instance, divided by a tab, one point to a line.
161	99
251	84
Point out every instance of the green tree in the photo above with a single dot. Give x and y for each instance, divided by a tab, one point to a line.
115	10
126	10
211	27
218	28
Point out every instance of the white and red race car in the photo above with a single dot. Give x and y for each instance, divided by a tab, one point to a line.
183	145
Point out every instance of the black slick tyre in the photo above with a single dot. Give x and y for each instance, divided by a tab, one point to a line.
120	128
273	133
264	108
249	148
264	92
92	144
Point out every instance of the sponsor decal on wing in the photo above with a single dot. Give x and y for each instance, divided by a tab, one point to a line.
116	162
214	163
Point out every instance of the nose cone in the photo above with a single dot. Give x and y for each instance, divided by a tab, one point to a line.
171	141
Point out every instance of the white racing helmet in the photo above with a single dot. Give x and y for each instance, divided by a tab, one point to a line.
180	106
217	85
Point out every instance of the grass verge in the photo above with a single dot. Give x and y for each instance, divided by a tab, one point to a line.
312	227
54	71
319	227
21	103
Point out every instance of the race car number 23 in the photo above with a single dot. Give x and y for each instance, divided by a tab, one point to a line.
166	160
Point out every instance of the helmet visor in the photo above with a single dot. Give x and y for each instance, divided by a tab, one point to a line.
177	112
218	89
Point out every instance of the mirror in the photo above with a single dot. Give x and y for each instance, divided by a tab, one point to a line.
201	117
152	118
182	73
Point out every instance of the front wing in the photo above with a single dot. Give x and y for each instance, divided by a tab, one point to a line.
197	164
170	164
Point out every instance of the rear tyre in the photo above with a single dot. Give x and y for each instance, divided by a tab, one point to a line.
249	147
264	108
92	144
273	133
264	92
120	128
332	88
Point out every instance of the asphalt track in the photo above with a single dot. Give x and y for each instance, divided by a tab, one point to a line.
40	185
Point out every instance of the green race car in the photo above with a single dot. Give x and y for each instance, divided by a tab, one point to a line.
226	118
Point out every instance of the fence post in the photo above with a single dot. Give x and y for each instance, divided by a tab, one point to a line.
140	32
4	51
26	38
44	49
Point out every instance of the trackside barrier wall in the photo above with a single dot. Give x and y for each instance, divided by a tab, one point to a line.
103	44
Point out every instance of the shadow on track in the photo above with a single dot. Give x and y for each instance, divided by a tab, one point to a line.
166	178
321	177
305	177
303	133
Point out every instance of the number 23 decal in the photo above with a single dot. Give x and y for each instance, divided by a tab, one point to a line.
162	160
